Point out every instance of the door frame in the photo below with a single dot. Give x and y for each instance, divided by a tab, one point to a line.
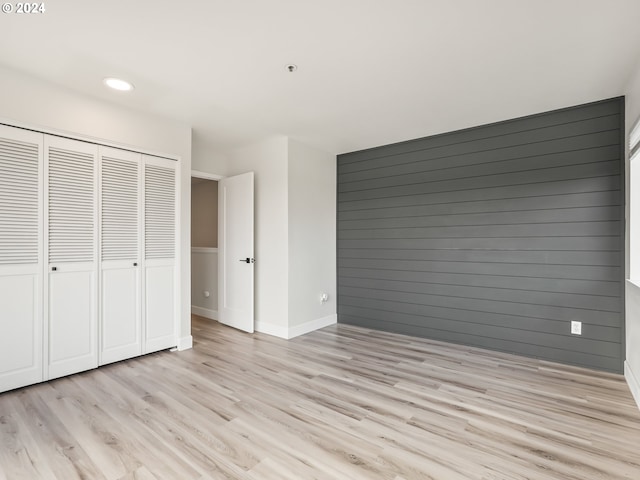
206	176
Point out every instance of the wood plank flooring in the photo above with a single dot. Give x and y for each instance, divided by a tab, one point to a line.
340	403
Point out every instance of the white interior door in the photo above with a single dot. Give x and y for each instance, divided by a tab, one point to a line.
71	216
120	233
20	258
235	248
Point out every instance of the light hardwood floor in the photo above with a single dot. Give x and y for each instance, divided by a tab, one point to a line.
339	403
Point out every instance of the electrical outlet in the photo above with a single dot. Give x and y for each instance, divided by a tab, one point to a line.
576	328
324	298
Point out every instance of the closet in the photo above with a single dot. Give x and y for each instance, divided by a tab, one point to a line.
87	255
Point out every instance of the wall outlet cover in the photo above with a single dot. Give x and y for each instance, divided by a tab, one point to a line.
576	328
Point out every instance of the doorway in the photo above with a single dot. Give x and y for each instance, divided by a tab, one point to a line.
204	245
232	199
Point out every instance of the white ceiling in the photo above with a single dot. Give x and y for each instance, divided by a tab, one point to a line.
371	72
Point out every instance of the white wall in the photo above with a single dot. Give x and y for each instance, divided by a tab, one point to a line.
632	326
268	160
312	237
206	157
204	278
27	101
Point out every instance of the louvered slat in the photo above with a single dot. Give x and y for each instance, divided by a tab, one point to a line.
119	209
159	212
71	206
19	194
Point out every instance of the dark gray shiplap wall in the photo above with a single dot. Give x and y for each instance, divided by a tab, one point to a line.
496	236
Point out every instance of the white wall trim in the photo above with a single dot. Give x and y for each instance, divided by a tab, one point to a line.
633	383
205	312
204	250
313	325
208	176
288	333
634	282
271	329
185	343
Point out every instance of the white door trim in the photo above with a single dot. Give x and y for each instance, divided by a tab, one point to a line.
207	176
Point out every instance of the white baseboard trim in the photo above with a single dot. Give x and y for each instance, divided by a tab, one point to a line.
185	343
313	325
205	312
288	333
633	383
209	250
271	329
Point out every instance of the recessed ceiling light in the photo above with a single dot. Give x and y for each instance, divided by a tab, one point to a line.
118	84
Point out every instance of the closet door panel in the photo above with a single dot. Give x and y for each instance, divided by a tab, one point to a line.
160	308
160	180
121	337
72	331
120	233
20	332
21	257
71	172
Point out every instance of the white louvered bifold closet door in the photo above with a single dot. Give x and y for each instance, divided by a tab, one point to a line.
120	256
160	180
71	171
21	256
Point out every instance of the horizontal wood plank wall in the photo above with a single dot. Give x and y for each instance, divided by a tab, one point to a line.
497	236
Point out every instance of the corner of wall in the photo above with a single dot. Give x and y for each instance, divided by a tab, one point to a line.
271	329
311	233
291	332
312	325
632	292
632	381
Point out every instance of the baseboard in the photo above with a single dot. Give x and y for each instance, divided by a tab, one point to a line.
185	343
288	333
312	325
205	312
271	329
203	250
632	381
